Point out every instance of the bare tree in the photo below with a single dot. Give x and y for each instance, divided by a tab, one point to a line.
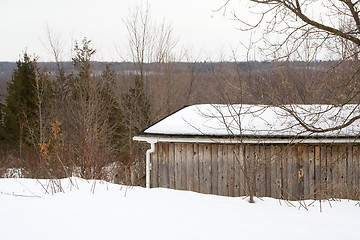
293	29
149	41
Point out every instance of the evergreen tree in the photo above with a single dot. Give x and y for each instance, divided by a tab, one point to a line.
135	112
21	102
108	95
91	120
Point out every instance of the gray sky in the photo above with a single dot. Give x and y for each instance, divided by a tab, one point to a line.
208	35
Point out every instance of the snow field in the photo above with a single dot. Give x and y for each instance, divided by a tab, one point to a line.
118	212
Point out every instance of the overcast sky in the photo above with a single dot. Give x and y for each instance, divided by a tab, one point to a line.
208	34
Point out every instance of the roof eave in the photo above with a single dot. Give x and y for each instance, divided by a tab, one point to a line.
223	139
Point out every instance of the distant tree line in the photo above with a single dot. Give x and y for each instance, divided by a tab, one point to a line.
55	125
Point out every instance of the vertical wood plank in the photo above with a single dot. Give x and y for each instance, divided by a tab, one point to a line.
312	171
260	171
214	169
160	159
154	167
267	171
335	171
317	169
183	167
224	170
291	163
349	171
196	168
207	168
250	169
160	164
256	171
275	172
306	177
293	173
237	171
230	170
201	168
323	173
241	173
284	171
178	154
172	165
356	161
300	172
247	169
342	171
221	185
329	179
165	165
189	166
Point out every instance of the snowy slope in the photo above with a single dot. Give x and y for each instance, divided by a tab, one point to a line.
119	212
258	120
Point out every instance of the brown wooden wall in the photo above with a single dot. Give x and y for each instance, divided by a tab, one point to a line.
282	171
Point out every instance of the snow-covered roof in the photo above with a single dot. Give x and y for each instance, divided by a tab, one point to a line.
259	121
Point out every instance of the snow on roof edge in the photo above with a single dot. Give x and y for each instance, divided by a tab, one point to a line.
257	121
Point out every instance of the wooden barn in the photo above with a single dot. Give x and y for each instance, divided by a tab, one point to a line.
291	152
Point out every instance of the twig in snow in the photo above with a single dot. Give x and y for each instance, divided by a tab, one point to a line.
93	187
125	191
18	195
46	191
26	188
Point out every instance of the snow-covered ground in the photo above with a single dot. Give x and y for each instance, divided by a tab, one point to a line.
100	210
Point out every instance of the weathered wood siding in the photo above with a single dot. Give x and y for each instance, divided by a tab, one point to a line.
299	171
